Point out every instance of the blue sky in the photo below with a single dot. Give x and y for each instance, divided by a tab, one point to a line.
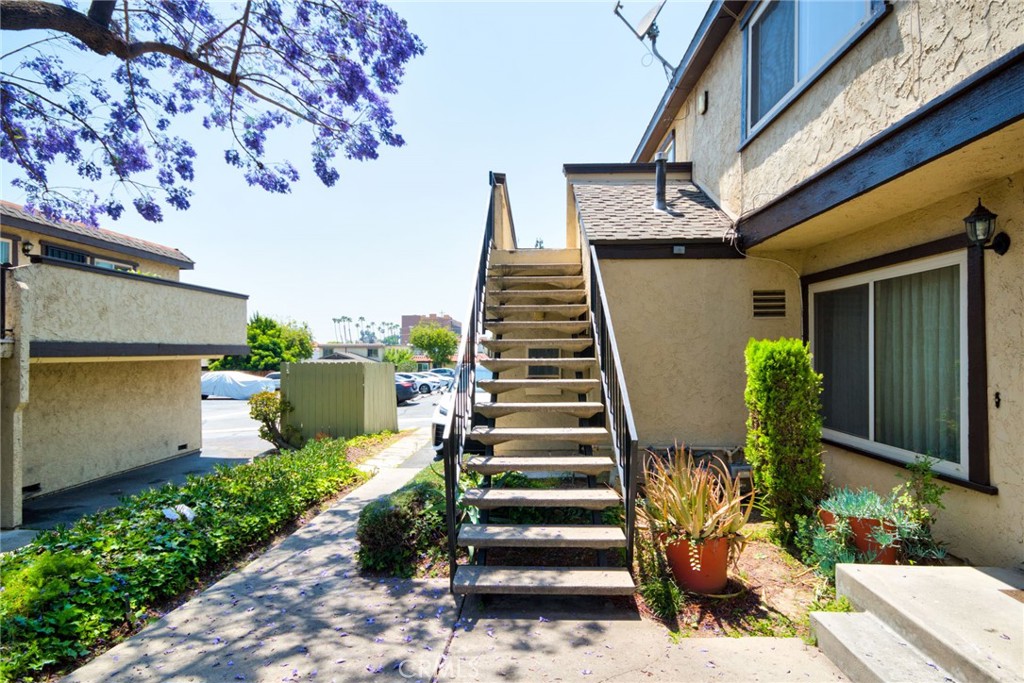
514	87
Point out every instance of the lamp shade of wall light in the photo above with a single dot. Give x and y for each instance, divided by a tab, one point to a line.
26	247
980	224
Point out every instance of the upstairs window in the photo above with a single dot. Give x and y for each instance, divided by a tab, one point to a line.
789	43
51	251
6	250
113	265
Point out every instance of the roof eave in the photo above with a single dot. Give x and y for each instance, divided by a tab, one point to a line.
717	22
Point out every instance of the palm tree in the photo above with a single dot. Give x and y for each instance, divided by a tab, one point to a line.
337	332
346	332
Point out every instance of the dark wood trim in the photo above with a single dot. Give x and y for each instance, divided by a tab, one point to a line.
987	101
133	276
918	251
977	369
974	486
663	250
95	242
648	167
977	362
15	246
67	349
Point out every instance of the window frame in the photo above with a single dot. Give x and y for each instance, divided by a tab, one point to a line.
13	260
876	11
46	246
960	470
119	266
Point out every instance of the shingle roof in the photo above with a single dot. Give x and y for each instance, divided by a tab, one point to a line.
617	211
97	237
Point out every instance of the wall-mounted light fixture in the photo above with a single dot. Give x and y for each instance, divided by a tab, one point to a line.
26	247
980	225
702	102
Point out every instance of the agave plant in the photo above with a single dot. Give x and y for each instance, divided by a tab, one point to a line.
695	502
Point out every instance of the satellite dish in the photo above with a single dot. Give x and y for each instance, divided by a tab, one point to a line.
648	29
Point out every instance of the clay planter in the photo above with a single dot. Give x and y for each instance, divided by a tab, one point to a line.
826	517
863	537
714	562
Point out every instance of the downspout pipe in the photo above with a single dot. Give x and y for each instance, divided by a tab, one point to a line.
659	182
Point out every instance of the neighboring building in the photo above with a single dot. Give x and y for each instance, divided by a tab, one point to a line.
101	355
443	320
351	350
826	165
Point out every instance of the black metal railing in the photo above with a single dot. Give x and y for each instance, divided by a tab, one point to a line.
460	411
618	414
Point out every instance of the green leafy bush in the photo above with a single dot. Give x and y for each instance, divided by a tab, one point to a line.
784	430
74	587
271	411
394	531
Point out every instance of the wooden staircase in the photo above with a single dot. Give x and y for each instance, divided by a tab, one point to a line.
544	419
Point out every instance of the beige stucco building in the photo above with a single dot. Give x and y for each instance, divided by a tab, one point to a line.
819	170
101	355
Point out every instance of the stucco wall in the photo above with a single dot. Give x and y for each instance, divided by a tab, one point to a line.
88	420
76	305
161	270
919	51
682	326
983	528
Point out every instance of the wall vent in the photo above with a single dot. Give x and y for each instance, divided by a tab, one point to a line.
769	303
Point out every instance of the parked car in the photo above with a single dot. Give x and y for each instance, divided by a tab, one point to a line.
434	382
422	384
276	378
447	372
233	384
405	390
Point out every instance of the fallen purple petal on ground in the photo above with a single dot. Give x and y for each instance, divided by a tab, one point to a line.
543	620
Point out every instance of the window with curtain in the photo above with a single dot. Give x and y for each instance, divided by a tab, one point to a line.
789	42
6	247
891	347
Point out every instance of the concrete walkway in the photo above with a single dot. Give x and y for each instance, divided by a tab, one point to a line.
301	612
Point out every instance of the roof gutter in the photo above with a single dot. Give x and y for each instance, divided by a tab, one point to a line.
717	22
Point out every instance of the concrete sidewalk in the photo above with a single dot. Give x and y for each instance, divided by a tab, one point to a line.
302	612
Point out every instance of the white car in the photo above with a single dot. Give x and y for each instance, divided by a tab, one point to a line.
434	382
422	384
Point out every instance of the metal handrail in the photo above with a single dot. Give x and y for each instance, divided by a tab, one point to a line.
618	413
460	412
5	268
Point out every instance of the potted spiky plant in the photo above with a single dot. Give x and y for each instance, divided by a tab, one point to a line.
697	512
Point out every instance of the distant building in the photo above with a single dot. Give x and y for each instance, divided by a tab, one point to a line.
349	350
444	320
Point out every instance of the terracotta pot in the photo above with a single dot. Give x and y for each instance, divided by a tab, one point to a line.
714	561
827	518
863	537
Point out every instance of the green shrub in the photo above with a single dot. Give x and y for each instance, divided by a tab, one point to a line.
271	411
74	587
784	430
395	530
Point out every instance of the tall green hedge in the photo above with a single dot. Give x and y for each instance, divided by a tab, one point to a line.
784	430
74	588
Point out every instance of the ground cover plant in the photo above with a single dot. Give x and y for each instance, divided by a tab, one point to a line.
81	588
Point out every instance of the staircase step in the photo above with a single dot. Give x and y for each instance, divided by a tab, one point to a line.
503	269
497	464
915	603
542	580
579	435
530	536
507	282
532	326
497	386
536	295
501	364
535	255
577	409
503	311
590	499
864	649
574	344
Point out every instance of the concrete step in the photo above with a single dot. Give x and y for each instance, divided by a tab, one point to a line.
578	435
504	311
542	580
498	464
565	327
501	364
507	282
575	408
864	649
964	619
524	296
590	499
534	269
500	256
565	344
530	536
497	386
